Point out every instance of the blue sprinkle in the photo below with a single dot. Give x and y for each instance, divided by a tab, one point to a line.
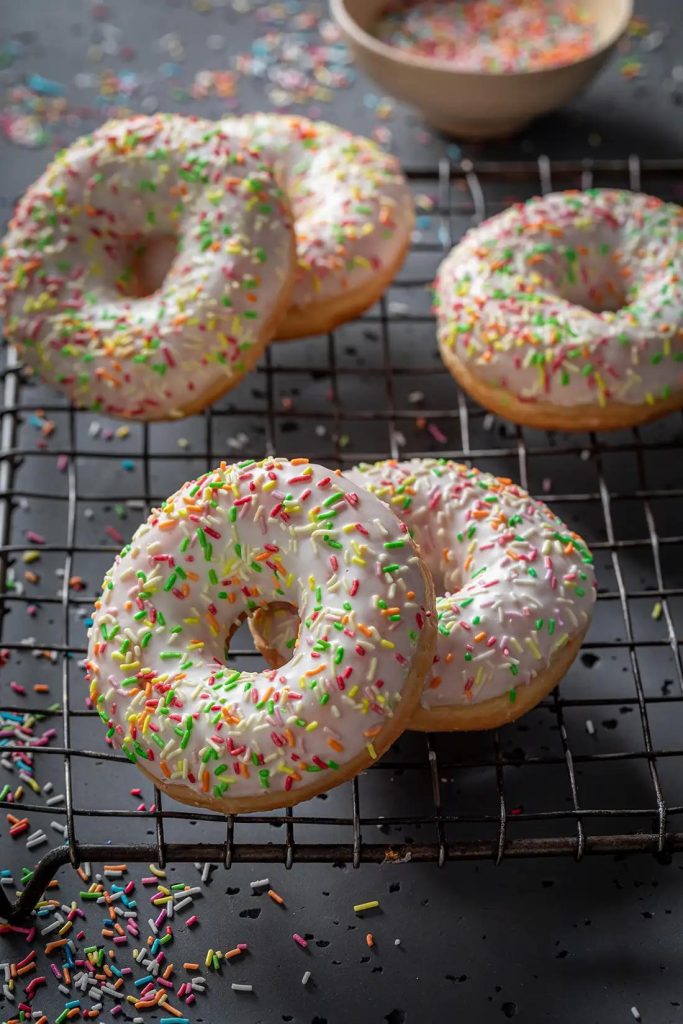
171	70
128	465
454	151
45	86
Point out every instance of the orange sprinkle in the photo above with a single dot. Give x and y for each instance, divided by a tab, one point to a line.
276	896
369	938
373	731
171	1009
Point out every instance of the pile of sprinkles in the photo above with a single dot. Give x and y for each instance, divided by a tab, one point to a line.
574	298
75	301
494	36
514	583
128	942
235	540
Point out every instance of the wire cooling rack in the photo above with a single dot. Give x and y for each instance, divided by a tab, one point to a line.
597	767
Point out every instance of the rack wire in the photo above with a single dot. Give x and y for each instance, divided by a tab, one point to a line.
596	768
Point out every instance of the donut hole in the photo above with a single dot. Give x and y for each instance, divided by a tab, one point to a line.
275	631
590	278
146	264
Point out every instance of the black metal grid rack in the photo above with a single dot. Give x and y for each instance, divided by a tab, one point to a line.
595	768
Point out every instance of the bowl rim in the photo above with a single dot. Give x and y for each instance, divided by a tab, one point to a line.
348	24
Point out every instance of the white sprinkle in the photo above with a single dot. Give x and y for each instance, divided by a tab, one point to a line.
241	988
397	942
260	883
53	926
306	978
636	1013
590	728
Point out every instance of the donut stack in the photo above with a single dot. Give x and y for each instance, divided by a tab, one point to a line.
143	275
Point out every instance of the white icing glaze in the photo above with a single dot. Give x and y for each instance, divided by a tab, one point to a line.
234	540
71	242
353	211
516	299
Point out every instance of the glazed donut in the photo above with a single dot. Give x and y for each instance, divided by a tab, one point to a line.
353	216
76	263
567	311
236	539
515	591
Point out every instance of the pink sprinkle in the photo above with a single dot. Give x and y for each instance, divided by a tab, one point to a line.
191	921
17	688
300	940
62	463
112	532
35	538
436	433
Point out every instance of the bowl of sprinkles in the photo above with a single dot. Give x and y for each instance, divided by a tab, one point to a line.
482	68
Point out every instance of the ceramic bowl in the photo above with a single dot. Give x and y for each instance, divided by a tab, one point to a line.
475	104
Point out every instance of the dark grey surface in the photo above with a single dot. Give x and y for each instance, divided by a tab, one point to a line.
541	940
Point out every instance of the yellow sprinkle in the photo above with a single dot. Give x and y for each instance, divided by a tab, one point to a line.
370	905
657	611
371	751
